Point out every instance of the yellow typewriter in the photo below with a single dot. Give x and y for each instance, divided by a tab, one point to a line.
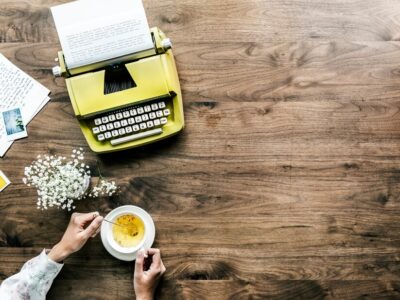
126	102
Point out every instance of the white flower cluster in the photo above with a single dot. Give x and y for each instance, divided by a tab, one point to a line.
59	181
103	188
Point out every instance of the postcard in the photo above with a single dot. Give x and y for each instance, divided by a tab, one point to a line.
14	124
4	182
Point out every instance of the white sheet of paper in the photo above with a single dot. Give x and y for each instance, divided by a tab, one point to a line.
4	144
44	102
96	30
18	89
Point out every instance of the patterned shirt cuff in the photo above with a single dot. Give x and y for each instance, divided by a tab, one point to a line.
49	261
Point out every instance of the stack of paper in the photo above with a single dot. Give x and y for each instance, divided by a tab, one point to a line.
18	89
97	30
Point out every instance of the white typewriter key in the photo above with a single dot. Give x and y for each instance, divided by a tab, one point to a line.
166	112
128	129
124	123
117	124
154	106
107	134
157	122
140	110
138	119
152	115
111	118
104	119
100	137
103	128
126	114
161	104
131	121
110	126
119	116
145	117
143	126
121	131
96	130
133	112
159	113
163	121
135	128
147	108
97	121
150	124
114	133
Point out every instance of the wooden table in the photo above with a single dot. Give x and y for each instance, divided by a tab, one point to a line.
286	180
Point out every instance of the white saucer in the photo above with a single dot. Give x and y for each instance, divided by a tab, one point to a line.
149	235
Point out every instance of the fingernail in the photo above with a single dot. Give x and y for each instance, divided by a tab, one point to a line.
144	252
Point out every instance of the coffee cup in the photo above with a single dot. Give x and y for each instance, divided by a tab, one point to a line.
127	232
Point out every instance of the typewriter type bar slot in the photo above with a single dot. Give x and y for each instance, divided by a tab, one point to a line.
132	123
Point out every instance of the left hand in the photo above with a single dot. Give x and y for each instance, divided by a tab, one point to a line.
76	235
145	281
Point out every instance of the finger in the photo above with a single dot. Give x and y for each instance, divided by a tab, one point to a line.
97	232
92	228
139	263
145	252
85	218
163	268
156	259
153	251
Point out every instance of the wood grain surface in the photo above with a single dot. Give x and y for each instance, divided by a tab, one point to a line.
285	183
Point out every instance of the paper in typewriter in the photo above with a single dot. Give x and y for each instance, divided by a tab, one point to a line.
91	31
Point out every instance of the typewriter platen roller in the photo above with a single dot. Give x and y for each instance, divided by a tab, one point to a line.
144	107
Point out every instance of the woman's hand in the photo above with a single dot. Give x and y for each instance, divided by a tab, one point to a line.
76	235
146	278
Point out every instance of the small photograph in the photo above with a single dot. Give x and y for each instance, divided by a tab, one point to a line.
13	124
4	182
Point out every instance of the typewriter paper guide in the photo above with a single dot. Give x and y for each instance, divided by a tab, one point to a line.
91	31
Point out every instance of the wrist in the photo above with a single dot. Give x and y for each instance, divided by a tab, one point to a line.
144	296
58	253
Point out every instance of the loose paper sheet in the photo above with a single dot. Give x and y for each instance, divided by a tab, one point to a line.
96	30
18	89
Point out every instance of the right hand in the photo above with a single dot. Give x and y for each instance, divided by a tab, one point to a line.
81	227
145	281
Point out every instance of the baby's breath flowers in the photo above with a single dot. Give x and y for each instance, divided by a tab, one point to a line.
60	181
104	187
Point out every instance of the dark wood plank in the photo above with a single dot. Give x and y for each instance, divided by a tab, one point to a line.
227	21
274	74
270	289
285	183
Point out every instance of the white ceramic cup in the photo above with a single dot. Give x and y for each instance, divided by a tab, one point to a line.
115	245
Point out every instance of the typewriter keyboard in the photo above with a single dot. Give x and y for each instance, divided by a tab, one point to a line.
131	123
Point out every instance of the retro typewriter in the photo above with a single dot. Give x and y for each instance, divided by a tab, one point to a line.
129	102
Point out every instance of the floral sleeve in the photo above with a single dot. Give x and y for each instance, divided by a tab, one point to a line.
33	281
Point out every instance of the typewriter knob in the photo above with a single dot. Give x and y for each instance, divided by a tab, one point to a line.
56	71
166	44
